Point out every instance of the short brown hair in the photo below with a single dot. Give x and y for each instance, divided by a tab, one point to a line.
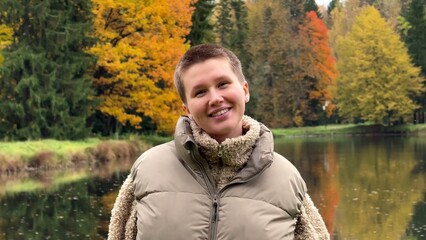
201	53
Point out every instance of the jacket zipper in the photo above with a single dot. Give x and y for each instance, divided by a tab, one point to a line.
216	195
215	218
215	200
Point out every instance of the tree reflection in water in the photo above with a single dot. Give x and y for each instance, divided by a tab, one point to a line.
365	188
72	204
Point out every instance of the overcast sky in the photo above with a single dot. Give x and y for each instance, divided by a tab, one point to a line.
323	2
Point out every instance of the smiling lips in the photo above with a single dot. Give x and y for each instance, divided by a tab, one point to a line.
219	113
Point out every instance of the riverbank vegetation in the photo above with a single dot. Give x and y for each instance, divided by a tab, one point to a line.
17	157
28	156
351	129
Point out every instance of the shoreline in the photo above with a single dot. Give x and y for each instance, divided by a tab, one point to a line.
352	130
46	159
34	156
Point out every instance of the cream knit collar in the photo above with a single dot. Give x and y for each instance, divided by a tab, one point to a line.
228	157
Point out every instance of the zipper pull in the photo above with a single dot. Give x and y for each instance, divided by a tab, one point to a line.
215	210
219	154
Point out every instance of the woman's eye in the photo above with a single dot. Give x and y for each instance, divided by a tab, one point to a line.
200	93
223	84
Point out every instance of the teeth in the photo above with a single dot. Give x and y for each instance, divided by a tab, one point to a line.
220	112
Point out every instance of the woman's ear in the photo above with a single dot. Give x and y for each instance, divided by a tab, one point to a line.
246	91
186	110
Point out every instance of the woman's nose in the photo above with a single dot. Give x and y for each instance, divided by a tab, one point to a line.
215	98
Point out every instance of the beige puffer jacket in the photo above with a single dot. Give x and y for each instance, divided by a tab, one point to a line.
170	195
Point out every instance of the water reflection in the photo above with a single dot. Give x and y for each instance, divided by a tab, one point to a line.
72	204
364	187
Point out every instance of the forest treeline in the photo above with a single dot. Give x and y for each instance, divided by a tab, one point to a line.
73	68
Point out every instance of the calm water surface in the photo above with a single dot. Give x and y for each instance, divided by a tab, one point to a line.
365	188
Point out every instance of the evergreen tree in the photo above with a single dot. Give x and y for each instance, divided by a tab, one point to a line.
377	81
45	91
311	5
232	28
276	67
202	28
331	6
416	43
224	25
261	73
294	85
238	39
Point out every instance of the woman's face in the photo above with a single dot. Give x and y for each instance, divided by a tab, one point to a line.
215	98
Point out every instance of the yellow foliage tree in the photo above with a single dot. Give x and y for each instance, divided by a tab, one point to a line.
377	80
140	44
5	38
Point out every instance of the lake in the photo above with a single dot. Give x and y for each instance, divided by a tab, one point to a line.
364	187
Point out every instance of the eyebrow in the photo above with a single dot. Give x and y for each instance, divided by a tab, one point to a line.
217	79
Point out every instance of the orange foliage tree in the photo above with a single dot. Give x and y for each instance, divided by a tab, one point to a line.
320	66
140	43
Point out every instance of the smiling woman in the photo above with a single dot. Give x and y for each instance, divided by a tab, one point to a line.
219	178
215	98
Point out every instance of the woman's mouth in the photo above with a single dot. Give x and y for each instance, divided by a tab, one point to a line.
219	113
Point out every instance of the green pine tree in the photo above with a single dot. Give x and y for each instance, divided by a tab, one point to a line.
311	5
416	43
224	25
232	28
331	6
238	39
202	28
261	74
45	89
276	67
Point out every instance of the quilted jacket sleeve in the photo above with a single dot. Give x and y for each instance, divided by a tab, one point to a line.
309	222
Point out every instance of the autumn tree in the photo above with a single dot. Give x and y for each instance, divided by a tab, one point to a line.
292	68
415	40
307	74
263	45
45	89
275	69
320	67
5	38
377	81
390	10
202	29
293	86
140	45
342	18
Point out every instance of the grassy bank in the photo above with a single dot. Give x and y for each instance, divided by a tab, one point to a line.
16	157
29	148
352	129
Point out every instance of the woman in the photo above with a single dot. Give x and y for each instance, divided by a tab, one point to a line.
219	178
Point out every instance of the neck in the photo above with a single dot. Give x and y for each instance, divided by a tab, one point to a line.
221	138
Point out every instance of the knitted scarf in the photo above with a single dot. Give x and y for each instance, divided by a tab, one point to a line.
227	158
